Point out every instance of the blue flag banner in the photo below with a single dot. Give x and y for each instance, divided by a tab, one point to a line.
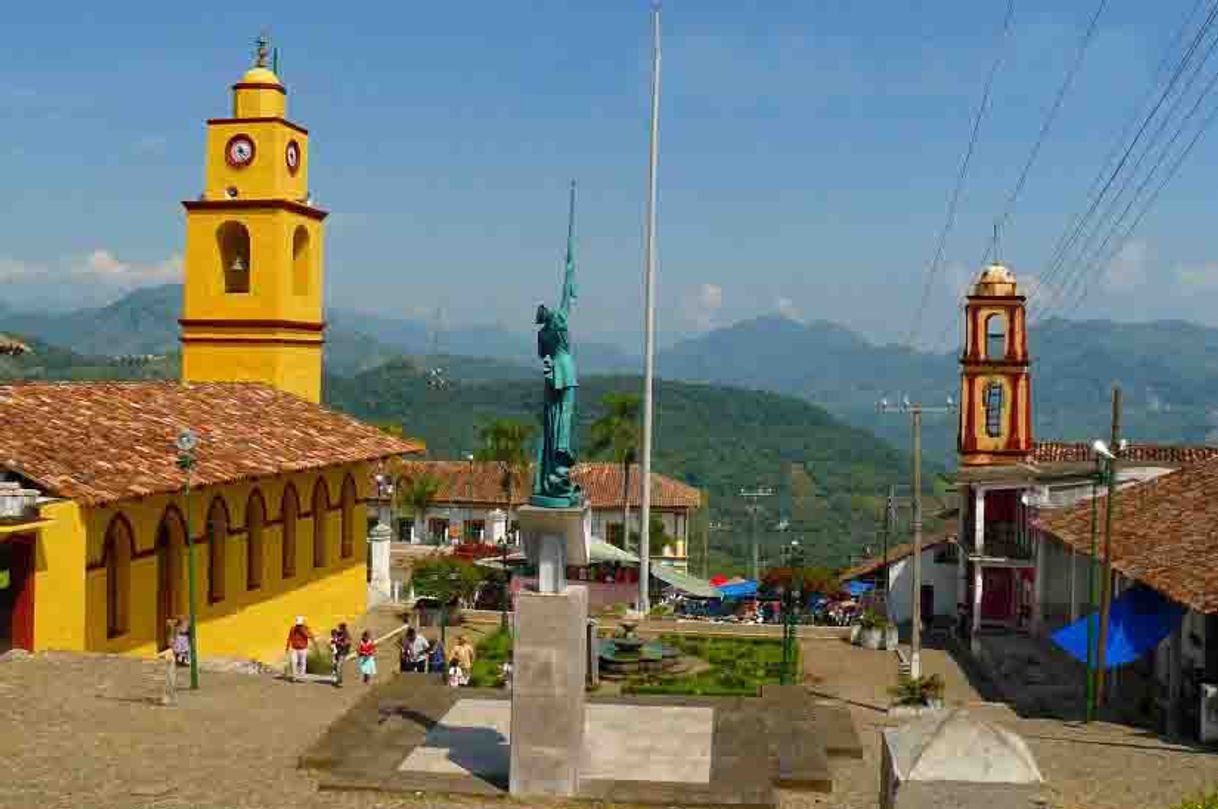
1140	618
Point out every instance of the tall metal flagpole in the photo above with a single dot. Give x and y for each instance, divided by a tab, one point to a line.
649	318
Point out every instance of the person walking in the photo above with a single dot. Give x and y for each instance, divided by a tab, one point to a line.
413	651
463	653
180	642
366	656
340	649
297	647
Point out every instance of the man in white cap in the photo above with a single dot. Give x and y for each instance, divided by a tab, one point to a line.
297	647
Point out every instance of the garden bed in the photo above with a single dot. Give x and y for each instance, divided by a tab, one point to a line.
733	667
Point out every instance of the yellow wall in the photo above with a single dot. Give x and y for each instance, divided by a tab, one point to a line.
59	579
246	623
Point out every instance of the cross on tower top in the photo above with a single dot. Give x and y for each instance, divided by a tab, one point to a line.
263	49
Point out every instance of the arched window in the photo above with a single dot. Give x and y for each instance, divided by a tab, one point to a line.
347	541
217	539
233	241
302	266
321	504
255	519
289	513
170	548
993	409
116	554
995	337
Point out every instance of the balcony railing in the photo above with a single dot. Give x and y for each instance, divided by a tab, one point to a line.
1005	540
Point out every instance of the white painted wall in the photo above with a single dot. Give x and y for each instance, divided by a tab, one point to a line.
943	577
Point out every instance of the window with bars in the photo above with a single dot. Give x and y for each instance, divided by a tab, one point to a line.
993	409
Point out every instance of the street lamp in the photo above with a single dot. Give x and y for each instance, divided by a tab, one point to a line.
791	600
503	554
186	443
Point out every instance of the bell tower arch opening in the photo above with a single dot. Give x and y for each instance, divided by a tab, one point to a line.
233	244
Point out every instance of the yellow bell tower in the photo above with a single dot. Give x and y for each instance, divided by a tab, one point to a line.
252	306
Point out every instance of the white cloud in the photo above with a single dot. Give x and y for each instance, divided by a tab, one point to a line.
103	265
787	308
703	305
1127	269
152	145
1197	277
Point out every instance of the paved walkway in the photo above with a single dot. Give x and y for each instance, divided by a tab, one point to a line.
1102	766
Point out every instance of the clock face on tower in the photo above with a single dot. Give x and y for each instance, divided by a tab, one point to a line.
292	156
240	151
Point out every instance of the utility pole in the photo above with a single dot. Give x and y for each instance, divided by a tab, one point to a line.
753	508
915	412
1106	580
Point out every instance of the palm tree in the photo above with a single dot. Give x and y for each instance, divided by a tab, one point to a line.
616	435
506	442
417	493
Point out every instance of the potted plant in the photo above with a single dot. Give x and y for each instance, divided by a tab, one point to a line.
871	630
915	695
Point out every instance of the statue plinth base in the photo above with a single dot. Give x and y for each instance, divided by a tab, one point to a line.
549	657
553	539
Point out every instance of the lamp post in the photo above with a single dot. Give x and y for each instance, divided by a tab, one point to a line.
791	599
469	497
186	443
507	580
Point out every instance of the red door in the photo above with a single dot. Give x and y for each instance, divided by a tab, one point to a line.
17	593
997	595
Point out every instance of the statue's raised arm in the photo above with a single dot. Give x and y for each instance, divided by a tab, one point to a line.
552	485
568	276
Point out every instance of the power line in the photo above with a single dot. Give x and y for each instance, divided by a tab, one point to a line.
1084	275
933	268
1071	236
1130	122
1008	208
1175	167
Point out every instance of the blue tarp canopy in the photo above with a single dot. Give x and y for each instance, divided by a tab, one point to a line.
740	589
857	588
1139	619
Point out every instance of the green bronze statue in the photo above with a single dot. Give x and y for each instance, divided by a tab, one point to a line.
552	485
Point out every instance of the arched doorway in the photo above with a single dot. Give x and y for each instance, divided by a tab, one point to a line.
170	559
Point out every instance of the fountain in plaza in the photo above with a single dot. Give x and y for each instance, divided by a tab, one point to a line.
625	653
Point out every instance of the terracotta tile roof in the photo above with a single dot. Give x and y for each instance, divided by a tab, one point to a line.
601	482
105	441
1169	454
895	554
1165	533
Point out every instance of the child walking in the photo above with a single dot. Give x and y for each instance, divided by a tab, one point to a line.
366	656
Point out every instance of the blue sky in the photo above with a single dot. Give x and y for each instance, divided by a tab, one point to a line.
807	152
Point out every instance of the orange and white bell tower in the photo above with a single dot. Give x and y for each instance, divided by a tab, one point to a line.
252	306
995	386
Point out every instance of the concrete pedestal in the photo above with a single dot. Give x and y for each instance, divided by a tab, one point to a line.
380	588
548	669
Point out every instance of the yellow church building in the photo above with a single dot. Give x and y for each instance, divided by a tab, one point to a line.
95	522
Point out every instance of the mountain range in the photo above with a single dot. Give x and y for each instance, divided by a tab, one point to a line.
1168	370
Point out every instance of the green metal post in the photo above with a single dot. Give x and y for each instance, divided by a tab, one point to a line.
1091	601
190	591
507	586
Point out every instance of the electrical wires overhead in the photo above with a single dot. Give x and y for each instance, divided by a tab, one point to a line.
932	269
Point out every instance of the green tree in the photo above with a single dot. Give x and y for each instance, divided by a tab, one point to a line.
506	442
416	494
447	579
615	435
